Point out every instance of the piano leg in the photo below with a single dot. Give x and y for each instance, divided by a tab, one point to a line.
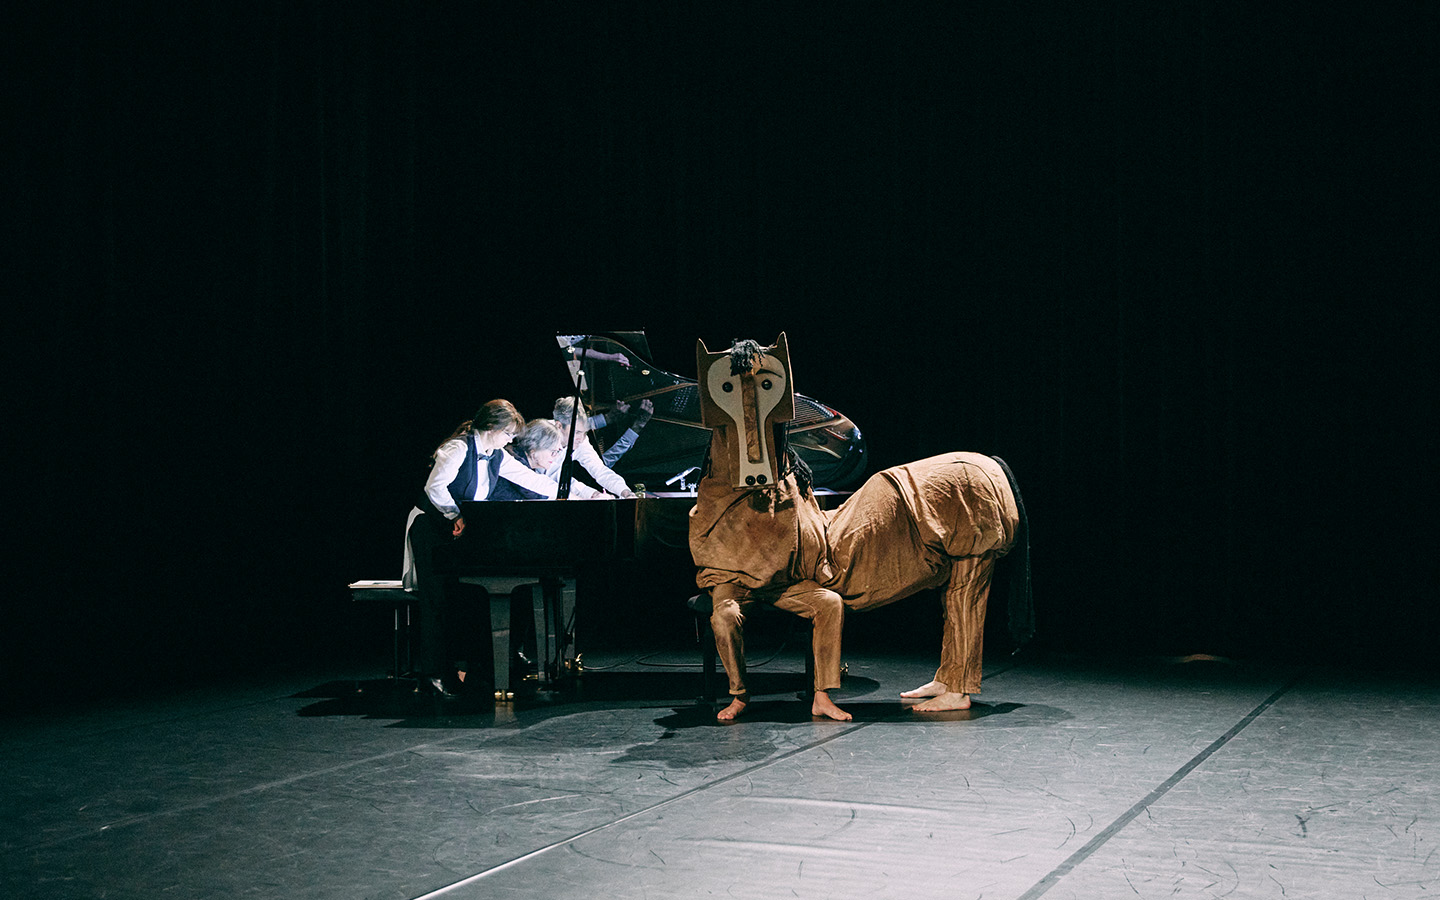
548	608
513	601
554	612
500	642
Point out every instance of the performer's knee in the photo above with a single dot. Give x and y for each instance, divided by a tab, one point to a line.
824	607
725	617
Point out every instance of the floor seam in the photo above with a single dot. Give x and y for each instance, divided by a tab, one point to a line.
231	795
1125	818
471	879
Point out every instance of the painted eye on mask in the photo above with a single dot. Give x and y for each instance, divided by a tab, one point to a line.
727	387
767	384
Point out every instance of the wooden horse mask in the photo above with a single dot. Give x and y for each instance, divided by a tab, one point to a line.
747	390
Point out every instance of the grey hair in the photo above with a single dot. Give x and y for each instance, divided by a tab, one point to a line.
565	410
539	435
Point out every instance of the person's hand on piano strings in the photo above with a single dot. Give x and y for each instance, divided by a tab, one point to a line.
459	527
647	409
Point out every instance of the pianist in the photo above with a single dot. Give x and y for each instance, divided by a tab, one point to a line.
585	453
541	446
626	440
469	465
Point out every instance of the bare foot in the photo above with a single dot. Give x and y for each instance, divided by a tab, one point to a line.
933	689
736	707
822	705
947	700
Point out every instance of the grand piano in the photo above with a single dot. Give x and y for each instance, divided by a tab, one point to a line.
557	548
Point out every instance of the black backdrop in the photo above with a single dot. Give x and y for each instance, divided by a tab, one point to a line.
1175	263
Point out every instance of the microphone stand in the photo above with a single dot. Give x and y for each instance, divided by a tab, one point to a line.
568	466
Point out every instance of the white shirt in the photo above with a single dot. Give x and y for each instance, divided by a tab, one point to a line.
579	490
451	456
448	460
604	476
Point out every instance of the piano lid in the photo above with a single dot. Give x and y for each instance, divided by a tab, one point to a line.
616	368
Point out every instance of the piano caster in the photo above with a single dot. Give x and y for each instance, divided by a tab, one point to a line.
504	696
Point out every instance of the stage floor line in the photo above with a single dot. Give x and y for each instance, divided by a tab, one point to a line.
1071	778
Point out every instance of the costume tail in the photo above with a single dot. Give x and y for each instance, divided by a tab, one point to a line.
1014	568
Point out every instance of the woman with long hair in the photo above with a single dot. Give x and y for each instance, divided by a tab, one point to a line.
471	464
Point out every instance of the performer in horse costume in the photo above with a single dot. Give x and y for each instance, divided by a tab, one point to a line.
757	534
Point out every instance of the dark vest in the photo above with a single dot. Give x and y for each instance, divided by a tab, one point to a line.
462	488
502	489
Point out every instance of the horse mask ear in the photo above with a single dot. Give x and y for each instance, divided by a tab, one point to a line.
747	391
710	414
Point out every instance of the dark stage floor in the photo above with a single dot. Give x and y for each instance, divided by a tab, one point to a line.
1073	778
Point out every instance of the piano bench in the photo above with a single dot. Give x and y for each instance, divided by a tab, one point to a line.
701	606
394	595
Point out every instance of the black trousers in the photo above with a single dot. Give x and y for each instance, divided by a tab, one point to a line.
453	619
454	627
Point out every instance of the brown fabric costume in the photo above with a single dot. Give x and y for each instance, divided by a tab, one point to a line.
938	521
765	545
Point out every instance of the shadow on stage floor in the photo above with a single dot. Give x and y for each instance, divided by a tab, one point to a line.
1068	777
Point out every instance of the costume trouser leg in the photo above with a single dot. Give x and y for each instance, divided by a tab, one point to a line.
962	642
826	612
727	621
821	606
993	523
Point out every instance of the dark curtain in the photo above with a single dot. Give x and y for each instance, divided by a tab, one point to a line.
1175	264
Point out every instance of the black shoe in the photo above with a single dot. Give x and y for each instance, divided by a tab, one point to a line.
524	665
439	687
